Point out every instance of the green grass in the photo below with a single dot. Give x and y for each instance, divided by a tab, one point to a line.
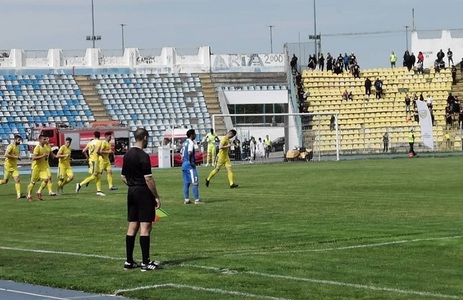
370	229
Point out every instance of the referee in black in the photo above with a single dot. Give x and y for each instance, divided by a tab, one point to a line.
142	200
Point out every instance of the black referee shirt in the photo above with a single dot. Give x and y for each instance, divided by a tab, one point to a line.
136	166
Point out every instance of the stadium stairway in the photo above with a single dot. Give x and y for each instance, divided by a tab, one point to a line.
212	102
87	86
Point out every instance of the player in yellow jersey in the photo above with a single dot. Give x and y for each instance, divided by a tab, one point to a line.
223	158
50	153
211	139
65	173
10	169
105	163
93	156
39	168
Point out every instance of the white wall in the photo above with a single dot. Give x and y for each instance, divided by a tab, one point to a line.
256	97
431	46
168	61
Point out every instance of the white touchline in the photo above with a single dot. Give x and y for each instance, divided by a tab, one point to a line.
33	294
253	252
330	282
62	252
198	288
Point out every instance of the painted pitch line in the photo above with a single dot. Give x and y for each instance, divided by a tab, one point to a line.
344	247
198	288
33	294
62	252
330	282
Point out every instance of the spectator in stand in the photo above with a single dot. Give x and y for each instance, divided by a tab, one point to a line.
321	61
338	67
420	57
385	142
392	59
312	62
332	123
450	99
431	112
341	59
437	66
460	117
415	98
368	87
450	56
429	101
448	117
352	61
412	60
350	96
406	58
329	62
345	95
440	56
454	75
456	108
419	67
407	105
356	70
447	140
294	64
345	60
378	88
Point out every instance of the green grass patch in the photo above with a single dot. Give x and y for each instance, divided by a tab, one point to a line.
364	229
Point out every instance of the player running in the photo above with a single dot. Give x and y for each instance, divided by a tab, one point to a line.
223	158
10	169
39	168
105	163
65	173
93	156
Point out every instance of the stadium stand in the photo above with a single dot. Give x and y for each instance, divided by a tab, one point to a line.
31	100
363	120
154	101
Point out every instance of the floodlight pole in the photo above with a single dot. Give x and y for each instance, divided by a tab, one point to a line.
315	28
271	37
93	26
122	37
406	37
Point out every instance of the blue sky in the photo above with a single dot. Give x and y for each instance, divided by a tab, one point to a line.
227	26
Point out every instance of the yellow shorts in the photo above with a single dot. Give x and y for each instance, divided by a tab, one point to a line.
93	167
65	171
105	165
38	174
223	161
49	172
10	171
211	149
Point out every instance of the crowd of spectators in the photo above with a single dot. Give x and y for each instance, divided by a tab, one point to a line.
348	63
343	63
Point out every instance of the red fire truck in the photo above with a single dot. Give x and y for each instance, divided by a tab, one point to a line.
80	138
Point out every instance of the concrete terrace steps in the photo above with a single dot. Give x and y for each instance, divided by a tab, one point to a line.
212	102
87	86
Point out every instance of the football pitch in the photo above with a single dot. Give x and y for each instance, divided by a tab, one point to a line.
357	229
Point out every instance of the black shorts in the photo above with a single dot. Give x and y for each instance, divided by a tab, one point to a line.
140	204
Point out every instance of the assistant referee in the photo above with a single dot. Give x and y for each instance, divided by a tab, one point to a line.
142	200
